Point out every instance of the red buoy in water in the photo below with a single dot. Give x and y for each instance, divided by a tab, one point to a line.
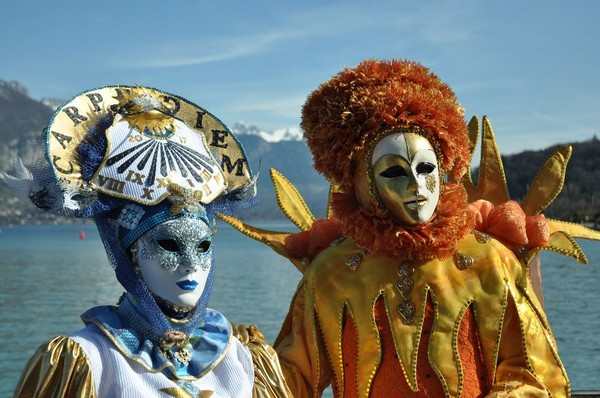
82	235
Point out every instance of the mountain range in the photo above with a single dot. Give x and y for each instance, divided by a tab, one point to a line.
22	119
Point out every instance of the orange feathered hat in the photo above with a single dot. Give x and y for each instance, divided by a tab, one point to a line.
360	104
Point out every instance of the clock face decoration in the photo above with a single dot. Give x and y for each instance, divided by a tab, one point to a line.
153	139
141	164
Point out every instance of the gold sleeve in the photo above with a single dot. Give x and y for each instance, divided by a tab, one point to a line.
269	381
300	349
528	364
289	368
59	368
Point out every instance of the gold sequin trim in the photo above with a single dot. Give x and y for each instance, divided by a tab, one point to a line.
462	261
481	237
430	183
404	285
353	262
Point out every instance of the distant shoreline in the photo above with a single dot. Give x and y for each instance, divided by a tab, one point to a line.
80	221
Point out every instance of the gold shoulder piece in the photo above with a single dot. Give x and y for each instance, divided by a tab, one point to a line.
291	202
273	239
58	368
293	206
548	182
269	381
491	180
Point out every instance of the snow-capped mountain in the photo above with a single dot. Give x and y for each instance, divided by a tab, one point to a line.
288	134
52	103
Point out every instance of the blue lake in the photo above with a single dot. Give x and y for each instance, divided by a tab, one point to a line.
50	276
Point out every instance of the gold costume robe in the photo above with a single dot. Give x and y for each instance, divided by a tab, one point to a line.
310	344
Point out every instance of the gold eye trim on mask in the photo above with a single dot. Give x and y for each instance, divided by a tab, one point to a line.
370	148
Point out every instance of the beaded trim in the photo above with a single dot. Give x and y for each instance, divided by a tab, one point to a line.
404	285
462	261
353	262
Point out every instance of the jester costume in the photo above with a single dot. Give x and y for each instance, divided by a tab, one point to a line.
152	169
418	282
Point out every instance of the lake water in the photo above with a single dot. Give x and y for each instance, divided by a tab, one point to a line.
50	276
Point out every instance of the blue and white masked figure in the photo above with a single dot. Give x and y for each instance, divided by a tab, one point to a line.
152	170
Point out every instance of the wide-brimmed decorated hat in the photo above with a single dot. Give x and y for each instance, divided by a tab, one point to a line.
138	155
132	142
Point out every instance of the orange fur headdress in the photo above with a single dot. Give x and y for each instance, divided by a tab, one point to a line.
359	104
355	109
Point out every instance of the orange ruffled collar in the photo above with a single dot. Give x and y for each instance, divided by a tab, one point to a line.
375	231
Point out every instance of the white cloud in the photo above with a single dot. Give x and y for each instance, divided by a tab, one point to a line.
278	105
210	49
439	24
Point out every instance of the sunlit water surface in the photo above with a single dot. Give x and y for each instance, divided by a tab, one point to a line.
49	276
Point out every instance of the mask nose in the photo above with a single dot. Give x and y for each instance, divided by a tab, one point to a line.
413	184
189	264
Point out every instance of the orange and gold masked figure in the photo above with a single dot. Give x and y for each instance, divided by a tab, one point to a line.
417	284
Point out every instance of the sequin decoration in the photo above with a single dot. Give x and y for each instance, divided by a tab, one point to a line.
173	344
184	199
130	216
462	261
406	308
184	356
430	183
187	241
481	237
337	241
353	262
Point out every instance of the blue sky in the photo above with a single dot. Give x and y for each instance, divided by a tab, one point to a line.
532	66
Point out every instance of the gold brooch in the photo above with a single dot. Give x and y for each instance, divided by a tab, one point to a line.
462	261
184	199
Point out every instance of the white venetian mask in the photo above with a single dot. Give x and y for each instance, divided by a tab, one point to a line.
174	259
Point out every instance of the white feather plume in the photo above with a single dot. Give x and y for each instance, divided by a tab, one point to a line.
22	182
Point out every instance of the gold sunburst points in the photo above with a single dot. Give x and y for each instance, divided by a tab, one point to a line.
562	239
291	202
293	206
274	239
491	180
547	184
143	110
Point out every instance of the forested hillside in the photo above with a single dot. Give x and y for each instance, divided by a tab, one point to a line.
580	197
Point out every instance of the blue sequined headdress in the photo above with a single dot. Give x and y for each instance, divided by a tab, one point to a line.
132	158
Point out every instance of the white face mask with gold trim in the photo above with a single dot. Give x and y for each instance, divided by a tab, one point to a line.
406	176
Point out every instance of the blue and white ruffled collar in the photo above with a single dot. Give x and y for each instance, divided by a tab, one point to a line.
208	344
